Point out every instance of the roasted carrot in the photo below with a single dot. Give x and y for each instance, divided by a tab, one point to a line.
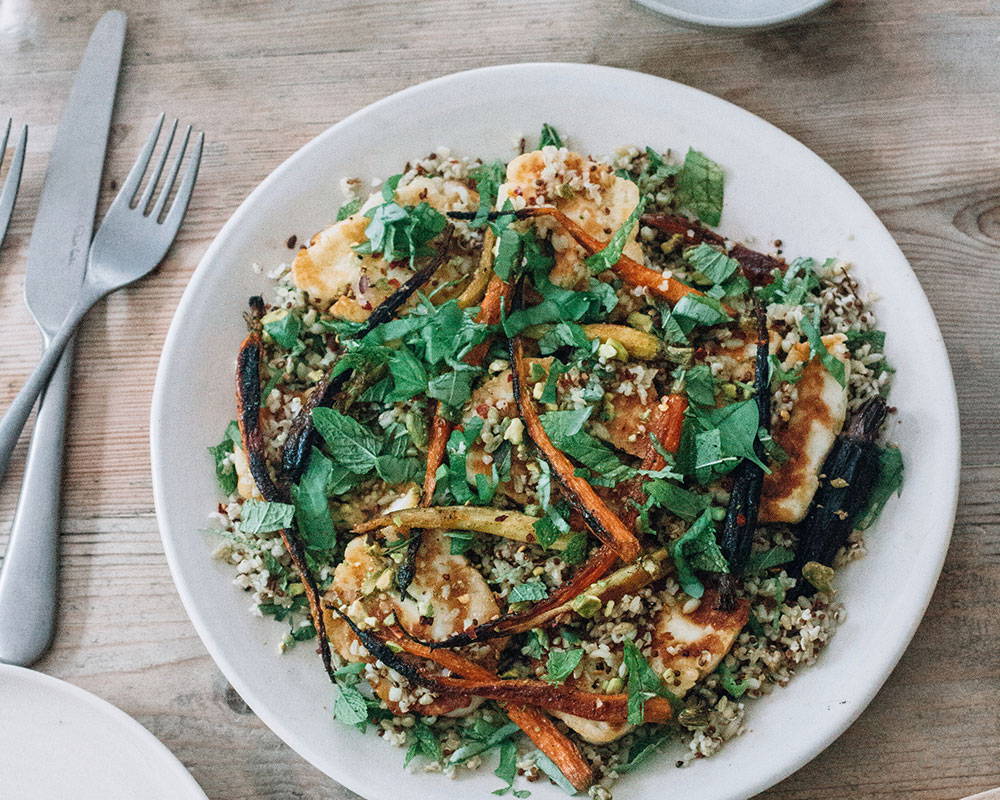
301	434
612	708
539	728
599	518
248	389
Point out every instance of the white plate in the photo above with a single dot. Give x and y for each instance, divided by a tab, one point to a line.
58	741
776	188
751	14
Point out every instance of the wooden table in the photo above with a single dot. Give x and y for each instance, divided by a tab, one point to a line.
901	97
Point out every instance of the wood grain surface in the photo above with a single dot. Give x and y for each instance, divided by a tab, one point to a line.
903	98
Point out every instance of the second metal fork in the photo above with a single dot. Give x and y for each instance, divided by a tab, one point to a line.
131	242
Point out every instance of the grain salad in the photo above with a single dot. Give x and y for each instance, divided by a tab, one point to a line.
554	477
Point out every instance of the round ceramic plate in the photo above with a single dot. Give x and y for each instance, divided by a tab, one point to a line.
58	741
775	188
735	13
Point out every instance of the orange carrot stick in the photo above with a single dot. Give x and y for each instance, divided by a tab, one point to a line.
539	728
599	518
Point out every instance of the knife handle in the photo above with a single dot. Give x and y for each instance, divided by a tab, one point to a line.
29	578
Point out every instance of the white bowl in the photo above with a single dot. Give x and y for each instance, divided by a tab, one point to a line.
776	188
750	14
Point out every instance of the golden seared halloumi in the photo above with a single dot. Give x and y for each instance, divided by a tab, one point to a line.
686	647
329	269
587	191
817	416
447	595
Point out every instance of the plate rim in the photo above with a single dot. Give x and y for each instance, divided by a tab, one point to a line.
734	23
767	777
110	711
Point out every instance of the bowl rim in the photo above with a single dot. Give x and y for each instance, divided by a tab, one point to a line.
843	716
668	9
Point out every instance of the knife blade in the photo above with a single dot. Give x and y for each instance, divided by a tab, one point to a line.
64	224
57	258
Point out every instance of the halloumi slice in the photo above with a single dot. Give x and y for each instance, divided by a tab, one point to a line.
817	417
585	190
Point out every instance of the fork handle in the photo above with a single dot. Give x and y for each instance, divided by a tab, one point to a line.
29	578
17	415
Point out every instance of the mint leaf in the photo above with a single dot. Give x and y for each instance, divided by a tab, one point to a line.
485	739
793	286
550	136
715	265
699	385
606	258
576	548
408	375
647	741
225	472
425	743
699	187
350	706
400	233
460	541
643	684
678	501
349	208
528	592
888	482
700	309
767	559
488	178
563	424
507	768
727	681
259	516
546	765
697	549
561	663
453	388
781	375
350	444
285	331
312	506
817	349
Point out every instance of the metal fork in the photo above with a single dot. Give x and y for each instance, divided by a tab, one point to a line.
13	180
132	240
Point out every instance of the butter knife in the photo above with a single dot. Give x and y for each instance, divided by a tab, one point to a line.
57	258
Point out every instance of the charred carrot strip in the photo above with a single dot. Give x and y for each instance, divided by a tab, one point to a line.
673	425
612	708
630	271
599	518
664	426
440	431
248	385
539	728
301	434
672	224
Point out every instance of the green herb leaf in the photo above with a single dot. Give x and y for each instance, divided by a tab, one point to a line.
528	592
699	385
563	424
874	337
678	501
792	286
817	349
350	706
483	740
408	375
699	187
400	233
606	258
259	516
697	550
700	309
349	208
727	681
285	330
561	663
781	375
488	178
507	768
453	388
576	548
351	444
643	684
460	541
312	506
546	765
425	743
648	740
888	482
768	559
225	472
715	265
550	137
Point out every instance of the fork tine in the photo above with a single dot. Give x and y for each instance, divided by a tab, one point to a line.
13	180
131	185
154	179
179	207
169	183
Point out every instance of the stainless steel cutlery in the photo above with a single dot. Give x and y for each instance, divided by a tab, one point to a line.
66	275
8	194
